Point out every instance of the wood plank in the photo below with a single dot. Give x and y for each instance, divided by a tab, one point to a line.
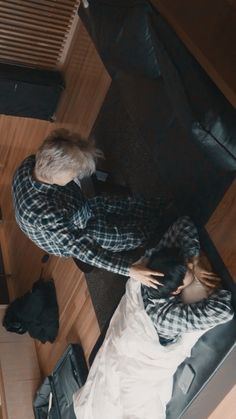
87	82
221	228
19	396
78	322
227	408
19	373
208	30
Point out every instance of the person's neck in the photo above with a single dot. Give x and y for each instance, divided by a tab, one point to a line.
38	179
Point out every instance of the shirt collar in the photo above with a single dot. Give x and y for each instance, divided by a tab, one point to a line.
40	186
43	187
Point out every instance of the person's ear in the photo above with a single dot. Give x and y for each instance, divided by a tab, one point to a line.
176	292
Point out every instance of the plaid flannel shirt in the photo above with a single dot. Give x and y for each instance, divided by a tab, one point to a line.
102	231
170	316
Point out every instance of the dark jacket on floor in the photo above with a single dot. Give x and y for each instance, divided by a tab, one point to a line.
35	312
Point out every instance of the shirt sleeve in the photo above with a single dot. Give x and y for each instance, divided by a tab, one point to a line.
72	243
88	251
117	238
182	234
136	207
172	317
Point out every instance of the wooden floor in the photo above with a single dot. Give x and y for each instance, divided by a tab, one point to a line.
20	376
78	321
86	85
227	408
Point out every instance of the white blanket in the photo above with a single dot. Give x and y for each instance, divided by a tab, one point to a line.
132	374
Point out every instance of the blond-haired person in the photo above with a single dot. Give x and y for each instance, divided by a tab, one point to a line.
52	211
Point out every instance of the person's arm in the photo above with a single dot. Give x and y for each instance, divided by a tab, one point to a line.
89	252
182	234
118	205
70	242
173	316
117	238
81	217
55	228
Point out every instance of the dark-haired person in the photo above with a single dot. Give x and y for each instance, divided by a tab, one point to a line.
177	256
135	364
50	209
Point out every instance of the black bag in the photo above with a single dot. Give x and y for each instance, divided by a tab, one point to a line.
54	399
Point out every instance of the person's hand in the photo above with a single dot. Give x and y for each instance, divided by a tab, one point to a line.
206	277
140	272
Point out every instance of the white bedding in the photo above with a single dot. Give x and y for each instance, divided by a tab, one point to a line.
132	374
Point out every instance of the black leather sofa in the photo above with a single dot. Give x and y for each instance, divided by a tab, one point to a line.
178	110
190	129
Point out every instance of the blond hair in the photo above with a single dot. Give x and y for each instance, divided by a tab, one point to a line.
63	150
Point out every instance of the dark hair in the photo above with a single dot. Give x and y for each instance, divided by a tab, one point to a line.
171	263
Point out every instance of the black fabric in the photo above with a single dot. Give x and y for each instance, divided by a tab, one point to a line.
36	312
84	267
68	376
28	92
